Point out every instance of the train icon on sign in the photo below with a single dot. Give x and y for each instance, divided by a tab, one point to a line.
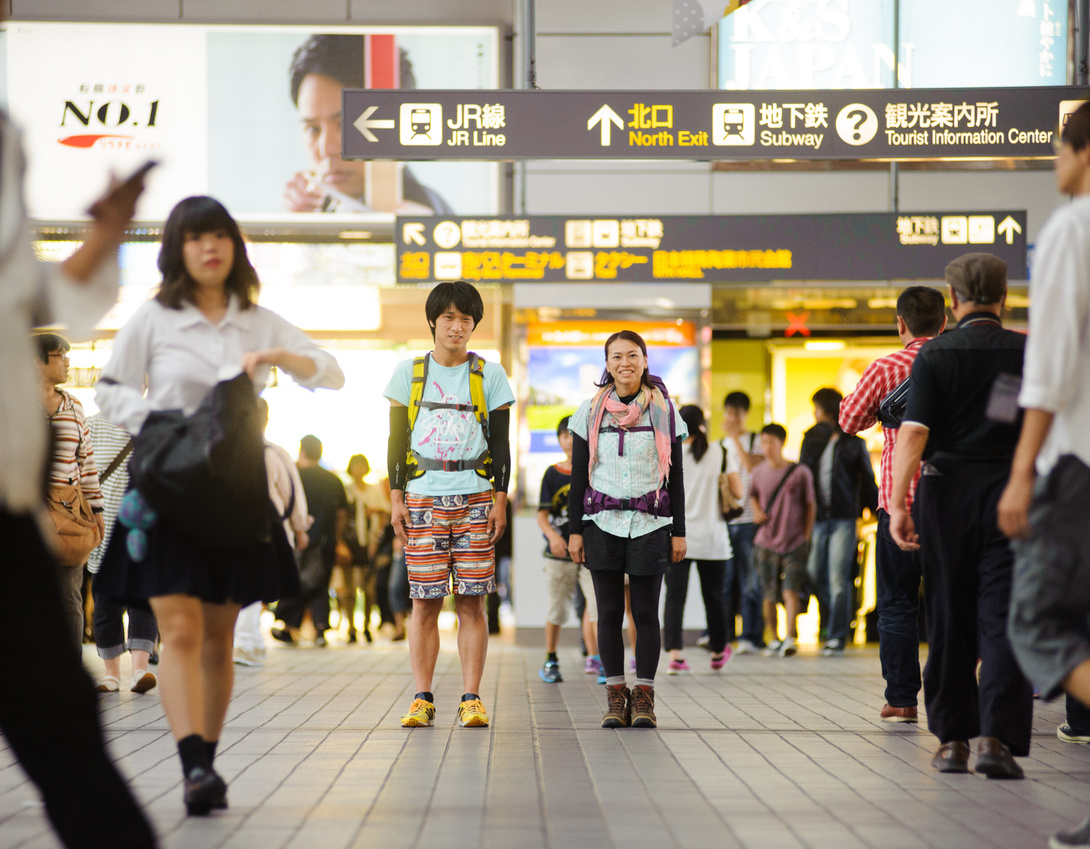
420	123
734	123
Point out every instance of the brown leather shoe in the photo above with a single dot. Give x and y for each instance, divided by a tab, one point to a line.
899	714
952	757
995	760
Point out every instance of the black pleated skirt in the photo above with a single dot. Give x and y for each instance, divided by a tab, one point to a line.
173	566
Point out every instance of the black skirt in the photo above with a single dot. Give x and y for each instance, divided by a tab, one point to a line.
172	566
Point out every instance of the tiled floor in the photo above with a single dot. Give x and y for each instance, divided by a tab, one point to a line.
767	753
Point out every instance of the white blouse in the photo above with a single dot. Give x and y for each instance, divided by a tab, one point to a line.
32	293
180	355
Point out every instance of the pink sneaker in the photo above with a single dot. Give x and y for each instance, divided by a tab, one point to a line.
677	666
723	659
593	666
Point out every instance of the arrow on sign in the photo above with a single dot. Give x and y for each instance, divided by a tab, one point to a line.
605	116
1008	227
365	123
413	233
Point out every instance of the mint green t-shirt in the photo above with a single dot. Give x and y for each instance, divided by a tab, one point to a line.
449	434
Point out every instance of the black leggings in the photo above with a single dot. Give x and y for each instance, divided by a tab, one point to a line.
609	592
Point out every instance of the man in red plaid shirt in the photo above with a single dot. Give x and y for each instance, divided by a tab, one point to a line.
921	314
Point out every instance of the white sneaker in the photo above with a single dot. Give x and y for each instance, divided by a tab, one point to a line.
248	657
745	647
142	681
833	648
773	648
788	647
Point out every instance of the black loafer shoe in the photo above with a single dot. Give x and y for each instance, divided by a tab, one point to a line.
995	760
952	757
204	790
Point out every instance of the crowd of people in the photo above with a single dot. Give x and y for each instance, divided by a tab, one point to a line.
983	444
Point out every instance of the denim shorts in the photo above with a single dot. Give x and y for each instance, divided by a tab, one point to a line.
644	555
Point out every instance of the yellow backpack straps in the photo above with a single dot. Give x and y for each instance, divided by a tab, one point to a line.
416	393
480	406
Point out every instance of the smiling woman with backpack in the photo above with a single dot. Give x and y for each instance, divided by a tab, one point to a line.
627	514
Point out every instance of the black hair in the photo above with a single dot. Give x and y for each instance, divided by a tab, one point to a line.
738	400
778	431
454	293
828	401
196	216
1076	129
562	425
310	447
923	310
339	57
358	458
628	336
50	343
694	420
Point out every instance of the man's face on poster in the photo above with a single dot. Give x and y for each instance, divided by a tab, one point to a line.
320	115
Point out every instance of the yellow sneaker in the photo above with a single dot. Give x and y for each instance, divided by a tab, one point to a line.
420	715
472	714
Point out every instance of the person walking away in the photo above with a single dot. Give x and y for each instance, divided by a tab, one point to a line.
962	419
708	545
921	315
845	487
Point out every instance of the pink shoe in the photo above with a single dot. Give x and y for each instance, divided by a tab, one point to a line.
677	666
723	659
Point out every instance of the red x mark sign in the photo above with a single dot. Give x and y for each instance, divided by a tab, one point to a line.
797	324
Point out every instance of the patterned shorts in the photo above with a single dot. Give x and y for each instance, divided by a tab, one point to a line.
448	542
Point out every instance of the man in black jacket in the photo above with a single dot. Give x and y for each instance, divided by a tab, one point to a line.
844	483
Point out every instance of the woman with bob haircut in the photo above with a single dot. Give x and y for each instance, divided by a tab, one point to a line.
203	326
627	515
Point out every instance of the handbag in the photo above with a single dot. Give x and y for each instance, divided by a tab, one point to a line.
77	530
205	474
729	506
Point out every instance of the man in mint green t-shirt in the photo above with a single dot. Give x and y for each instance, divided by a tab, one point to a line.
448	491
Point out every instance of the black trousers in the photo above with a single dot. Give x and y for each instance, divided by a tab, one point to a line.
53	726
715	609
967	569
315	571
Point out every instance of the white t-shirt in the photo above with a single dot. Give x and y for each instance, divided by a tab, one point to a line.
752	443
705	531
1056	376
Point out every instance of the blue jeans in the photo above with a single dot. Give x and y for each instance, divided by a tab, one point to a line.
833	552
749	583
898	589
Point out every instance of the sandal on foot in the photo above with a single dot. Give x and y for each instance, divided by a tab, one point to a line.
107	684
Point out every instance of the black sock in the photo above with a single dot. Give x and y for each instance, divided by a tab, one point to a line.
428	697
210	749
468	697
551	656
193	753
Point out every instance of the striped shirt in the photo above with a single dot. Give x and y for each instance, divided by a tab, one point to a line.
108	440
73	457
859	410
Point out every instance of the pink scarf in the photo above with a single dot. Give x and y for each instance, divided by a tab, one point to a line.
628	415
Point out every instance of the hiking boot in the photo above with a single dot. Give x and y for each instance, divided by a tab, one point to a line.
421	714
471	714
619	711
643	707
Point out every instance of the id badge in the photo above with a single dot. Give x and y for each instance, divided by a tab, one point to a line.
1003	400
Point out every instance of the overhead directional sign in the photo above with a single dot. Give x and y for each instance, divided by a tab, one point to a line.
842	124
726	248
